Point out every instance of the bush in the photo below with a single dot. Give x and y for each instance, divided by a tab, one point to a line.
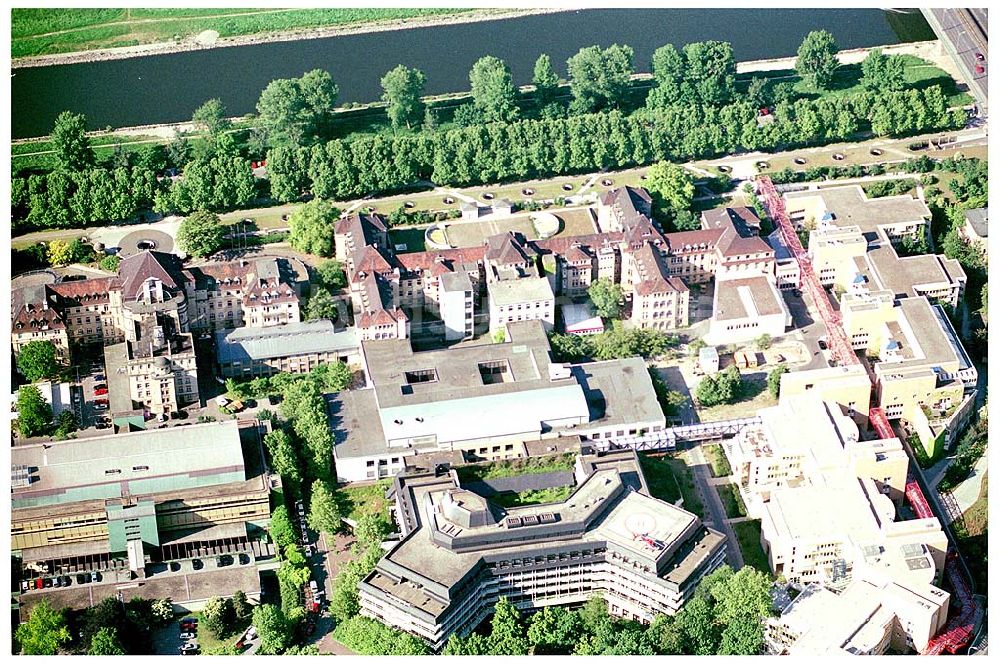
722	388
366	636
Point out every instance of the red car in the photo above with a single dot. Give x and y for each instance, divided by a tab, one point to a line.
980	69
101	392
39	583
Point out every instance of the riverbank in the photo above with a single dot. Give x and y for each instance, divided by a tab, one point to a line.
930	51
204	40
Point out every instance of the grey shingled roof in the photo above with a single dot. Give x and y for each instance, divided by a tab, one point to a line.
246	344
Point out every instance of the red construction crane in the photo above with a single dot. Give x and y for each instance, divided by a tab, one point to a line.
959	630
840	347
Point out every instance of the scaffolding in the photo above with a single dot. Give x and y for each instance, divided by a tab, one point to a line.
841	349
959	630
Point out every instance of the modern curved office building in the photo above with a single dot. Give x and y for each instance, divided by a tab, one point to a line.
460	552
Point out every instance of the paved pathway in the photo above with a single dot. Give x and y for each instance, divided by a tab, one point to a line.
717	513
967	492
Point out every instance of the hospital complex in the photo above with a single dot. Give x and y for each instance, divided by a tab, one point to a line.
826	485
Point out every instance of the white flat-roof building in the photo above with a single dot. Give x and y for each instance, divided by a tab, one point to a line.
746	308
708	360
867	618
790	475
891	218
456	303
486	401
521	299
786	266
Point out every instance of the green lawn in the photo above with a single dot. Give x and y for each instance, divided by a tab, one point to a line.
357	501
660	478
731	499
972	532
669	478
516	467
919	74
207	640
748	534
685	479
88	29
717	460
528	497
411	237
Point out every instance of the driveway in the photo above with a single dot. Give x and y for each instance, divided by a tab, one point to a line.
809	327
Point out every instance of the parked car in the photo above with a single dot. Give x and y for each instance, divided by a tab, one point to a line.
101	425
100	406
188	636
980	69
101	401
100	378
48	582
197	564
980	57
67	581
223	560
822	344
244	558
189	620
189	648
100	385
175	566
81	579
95	577
39	583
102	391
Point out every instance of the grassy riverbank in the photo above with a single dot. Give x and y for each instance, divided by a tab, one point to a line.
36	32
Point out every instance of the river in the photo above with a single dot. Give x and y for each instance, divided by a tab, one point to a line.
167	88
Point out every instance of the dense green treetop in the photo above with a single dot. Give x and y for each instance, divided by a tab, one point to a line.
201	234
69	141
295	111
34	414
493	92
507	636
817	60
402	89
210	118
324	514
44	632
37	360
312	227
600	78
882	72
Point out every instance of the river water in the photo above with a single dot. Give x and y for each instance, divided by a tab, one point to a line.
167	88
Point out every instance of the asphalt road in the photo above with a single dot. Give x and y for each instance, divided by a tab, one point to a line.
717	513
965	32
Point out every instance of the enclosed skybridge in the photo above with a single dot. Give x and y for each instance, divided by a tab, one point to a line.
670	438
